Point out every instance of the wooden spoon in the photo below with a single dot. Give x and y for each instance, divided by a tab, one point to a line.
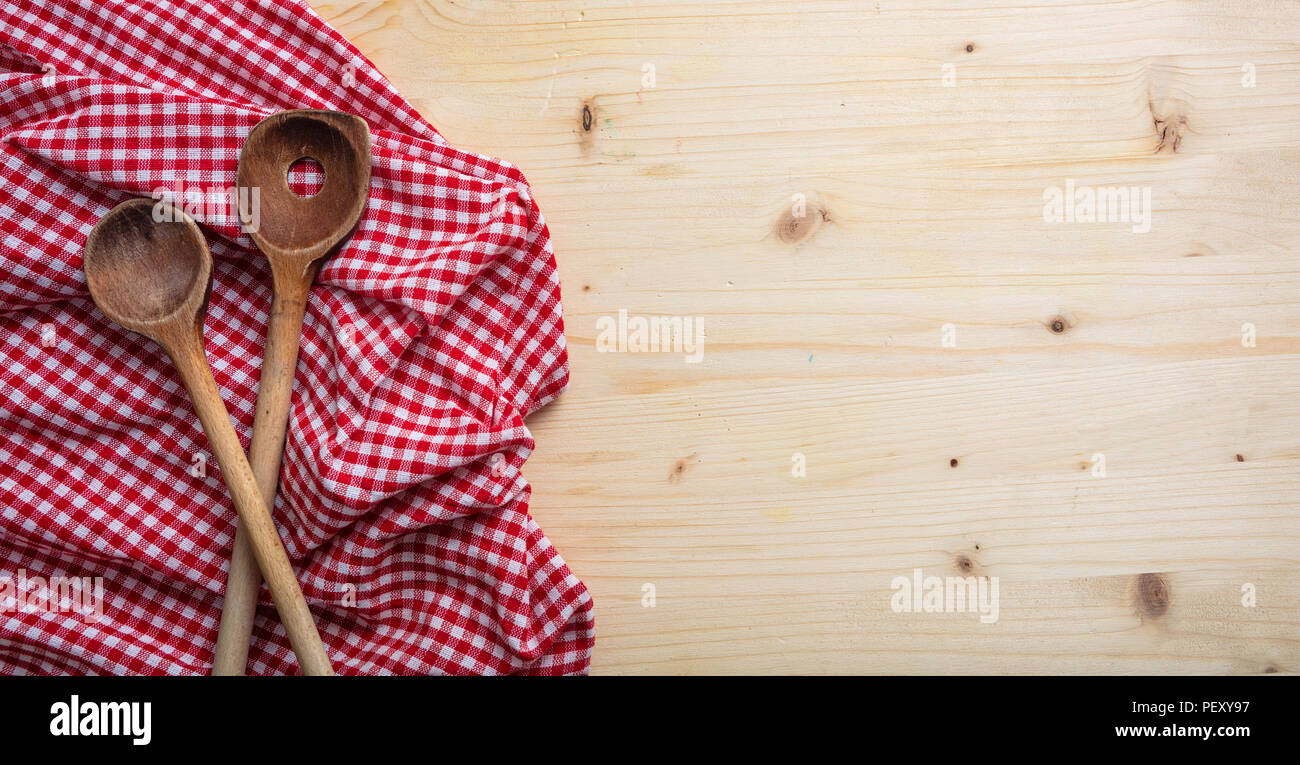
295	233
155	278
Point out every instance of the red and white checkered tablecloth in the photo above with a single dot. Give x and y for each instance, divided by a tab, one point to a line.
429	336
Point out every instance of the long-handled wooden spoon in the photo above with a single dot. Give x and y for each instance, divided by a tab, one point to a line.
295	233
155	278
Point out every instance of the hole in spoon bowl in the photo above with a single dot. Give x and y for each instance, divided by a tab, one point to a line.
306	177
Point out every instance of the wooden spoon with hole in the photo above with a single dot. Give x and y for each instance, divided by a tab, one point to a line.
295	233
155	278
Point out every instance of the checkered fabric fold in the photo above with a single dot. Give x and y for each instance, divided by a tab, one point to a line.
429	337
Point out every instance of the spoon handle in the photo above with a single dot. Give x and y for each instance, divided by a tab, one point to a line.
270	425
254	518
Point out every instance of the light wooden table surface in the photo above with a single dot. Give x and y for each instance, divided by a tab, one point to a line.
923	137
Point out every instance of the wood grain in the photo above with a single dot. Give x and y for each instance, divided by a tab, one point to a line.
825	333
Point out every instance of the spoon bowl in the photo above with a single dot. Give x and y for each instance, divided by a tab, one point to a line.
294	231
147	275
